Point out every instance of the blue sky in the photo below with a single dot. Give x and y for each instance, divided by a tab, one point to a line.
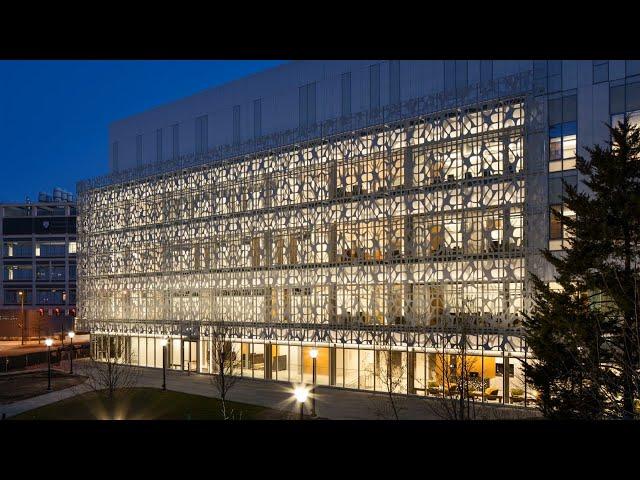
54	115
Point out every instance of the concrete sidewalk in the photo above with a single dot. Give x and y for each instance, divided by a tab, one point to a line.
331	403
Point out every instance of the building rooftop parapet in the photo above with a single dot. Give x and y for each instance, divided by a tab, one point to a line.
454	99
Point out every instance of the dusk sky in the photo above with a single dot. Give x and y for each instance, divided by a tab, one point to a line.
54	115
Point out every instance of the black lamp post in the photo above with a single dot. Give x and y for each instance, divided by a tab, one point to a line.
22	322
64	301
164	364
314	355
71	335
48	342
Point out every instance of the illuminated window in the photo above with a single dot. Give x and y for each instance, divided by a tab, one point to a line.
72	247
562	147
634	118
555	223
17	272
18	249
558	234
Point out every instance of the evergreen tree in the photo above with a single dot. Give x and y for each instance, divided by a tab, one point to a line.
585	338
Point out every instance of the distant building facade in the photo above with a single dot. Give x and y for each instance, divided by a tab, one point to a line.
38	263
385	213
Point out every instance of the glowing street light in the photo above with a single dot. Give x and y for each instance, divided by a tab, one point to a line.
71	335
48	342
314	355
164	342
301	393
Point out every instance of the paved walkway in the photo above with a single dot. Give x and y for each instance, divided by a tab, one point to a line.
331	403
11	409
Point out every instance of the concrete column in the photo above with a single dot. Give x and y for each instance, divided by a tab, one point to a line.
332	365
505	378
268	355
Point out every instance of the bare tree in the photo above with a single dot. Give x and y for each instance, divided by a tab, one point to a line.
224	361
112	368
390	374
459	387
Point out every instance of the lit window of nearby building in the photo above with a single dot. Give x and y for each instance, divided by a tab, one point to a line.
634	118
562	132
72	247
558	234
18	249
562	146
555	223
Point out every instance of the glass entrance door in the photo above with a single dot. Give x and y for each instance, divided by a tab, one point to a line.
190	356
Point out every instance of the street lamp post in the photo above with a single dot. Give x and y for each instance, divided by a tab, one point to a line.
301	394
22	322
71	335
163	342
40	318
56	312
64	301
314	355
48	342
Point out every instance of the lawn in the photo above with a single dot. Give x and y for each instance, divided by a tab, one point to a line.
146	404
18	386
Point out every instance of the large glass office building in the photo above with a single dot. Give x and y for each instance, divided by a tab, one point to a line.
385	213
